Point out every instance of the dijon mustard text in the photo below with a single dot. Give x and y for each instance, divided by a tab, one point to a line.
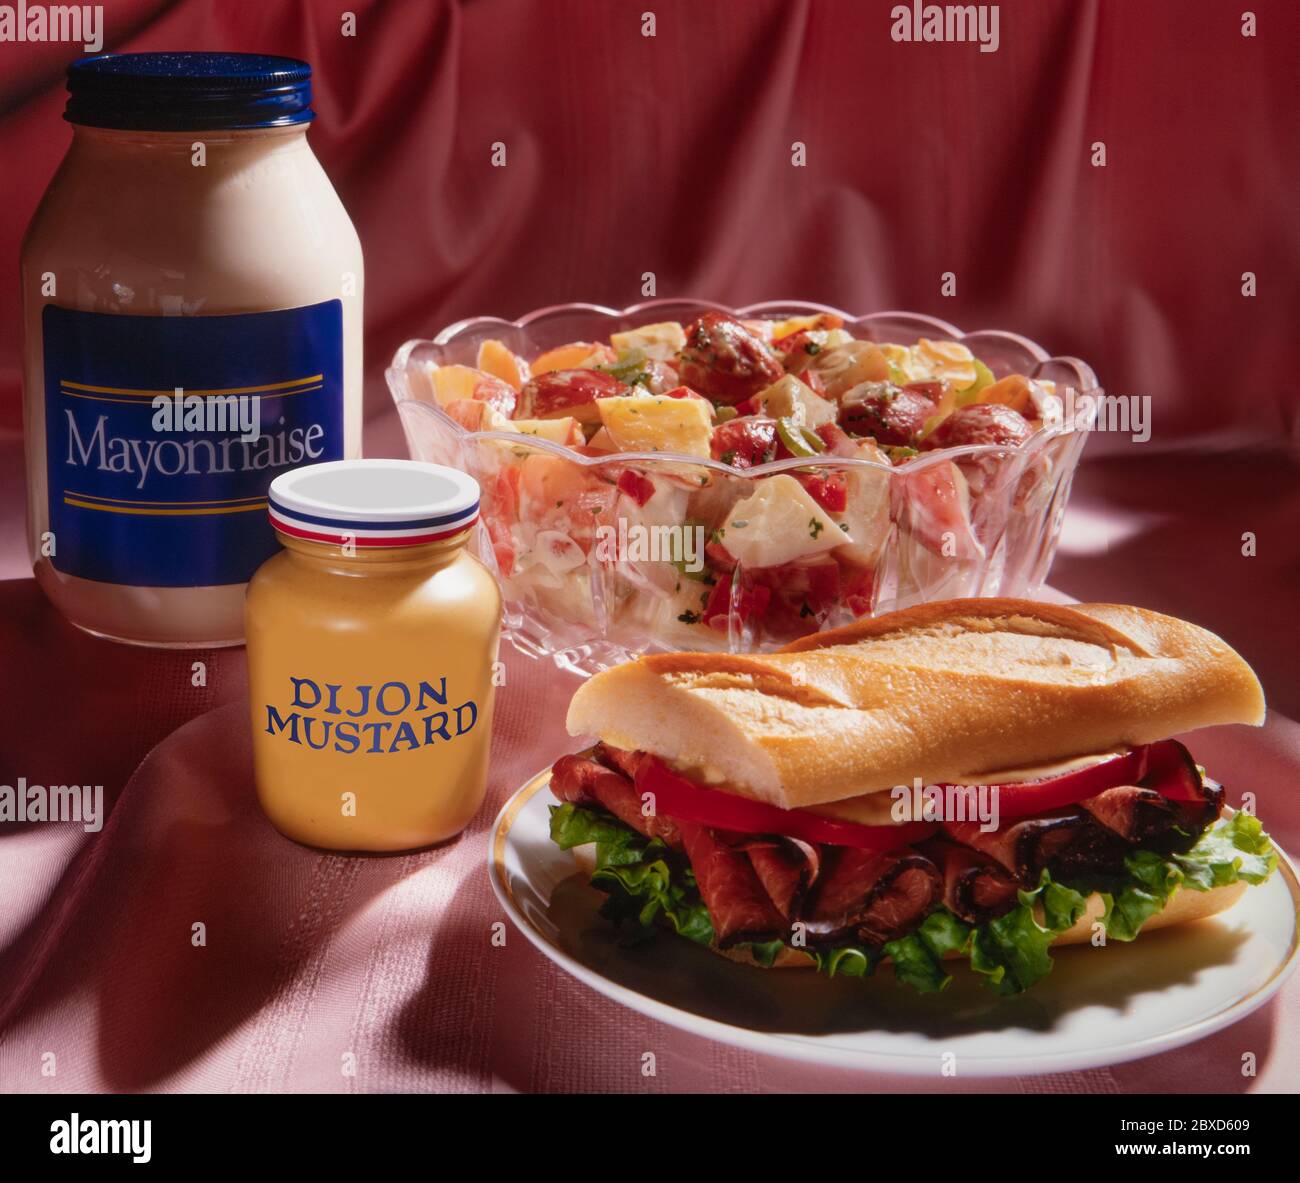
372	719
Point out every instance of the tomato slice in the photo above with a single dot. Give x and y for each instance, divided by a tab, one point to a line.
1166	767
678	798
1172	772
1054	792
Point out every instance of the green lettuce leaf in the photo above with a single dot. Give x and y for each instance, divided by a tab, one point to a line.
918	958
616	843
644	879
647	883
1150	881
650	889
1236	849
915	964
765	952
850	961
1229	851
1011	951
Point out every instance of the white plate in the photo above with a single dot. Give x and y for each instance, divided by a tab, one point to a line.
1099	1006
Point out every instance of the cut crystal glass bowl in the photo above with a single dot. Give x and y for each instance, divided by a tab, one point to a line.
546	508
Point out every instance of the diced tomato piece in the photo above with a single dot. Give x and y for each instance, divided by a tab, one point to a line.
824	583
719	556
787	621
828	489
801	595
837	440
636	485
797	350
858	589
719	602
745	442
751	603
754	599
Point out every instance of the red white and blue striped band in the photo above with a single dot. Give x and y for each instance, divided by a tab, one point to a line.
373	503
339	531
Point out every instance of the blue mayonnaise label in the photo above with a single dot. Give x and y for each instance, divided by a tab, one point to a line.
163	435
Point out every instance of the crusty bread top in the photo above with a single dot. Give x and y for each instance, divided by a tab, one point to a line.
948	692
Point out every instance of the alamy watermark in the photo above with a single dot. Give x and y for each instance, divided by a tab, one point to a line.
209	413
129	1137
1123	414
919	802
73	23
681	545
978	23
25	802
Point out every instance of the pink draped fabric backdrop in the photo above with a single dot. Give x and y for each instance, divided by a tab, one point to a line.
666	156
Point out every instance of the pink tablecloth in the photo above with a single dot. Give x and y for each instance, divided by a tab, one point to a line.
988	173
322	972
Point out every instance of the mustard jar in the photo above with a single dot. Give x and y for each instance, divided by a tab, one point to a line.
372	643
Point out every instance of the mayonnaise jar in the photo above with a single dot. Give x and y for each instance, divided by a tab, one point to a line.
192	291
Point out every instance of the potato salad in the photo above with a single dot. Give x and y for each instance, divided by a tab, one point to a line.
783	452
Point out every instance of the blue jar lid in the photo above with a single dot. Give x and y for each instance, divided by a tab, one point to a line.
188	91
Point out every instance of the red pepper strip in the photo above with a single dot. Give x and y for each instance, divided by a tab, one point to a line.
678	798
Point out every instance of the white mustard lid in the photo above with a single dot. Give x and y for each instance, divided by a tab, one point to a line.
373	502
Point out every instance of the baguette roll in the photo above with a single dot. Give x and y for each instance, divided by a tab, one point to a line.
974	685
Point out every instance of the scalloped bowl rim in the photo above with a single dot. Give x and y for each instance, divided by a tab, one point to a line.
917	463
